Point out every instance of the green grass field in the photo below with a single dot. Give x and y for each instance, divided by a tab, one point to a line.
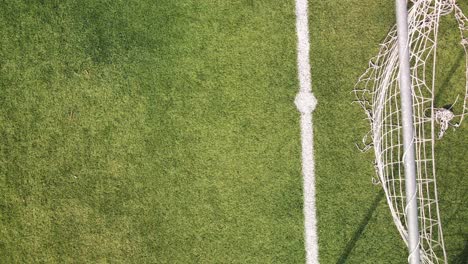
164	131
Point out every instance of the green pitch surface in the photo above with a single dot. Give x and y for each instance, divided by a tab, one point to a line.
165	132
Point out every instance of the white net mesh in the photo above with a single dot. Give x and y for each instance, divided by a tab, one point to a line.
378	93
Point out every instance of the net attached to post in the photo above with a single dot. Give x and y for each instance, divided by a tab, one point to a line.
378	92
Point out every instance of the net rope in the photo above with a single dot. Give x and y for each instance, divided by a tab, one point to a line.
377	92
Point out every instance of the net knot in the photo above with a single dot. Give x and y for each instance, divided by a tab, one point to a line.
305	102
464	42
443	117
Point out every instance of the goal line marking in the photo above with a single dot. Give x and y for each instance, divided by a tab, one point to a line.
306	103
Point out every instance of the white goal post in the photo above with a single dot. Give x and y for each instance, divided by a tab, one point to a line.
397	92
408	158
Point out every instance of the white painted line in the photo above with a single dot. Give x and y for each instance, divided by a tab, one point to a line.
306	103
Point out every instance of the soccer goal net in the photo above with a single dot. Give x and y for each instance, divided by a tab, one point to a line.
378	92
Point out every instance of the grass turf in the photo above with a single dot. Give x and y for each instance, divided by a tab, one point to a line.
164	132
142	131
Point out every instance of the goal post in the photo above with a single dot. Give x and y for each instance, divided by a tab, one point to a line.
397	92
411	209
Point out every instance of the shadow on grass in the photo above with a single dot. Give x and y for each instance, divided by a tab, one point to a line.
362	226
451	72
462	258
